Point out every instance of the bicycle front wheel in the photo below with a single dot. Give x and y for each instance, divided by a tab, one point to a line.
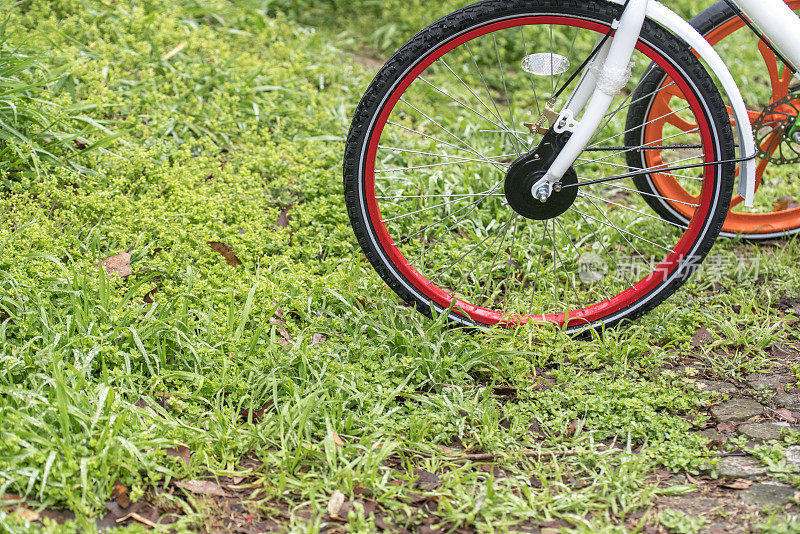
441	209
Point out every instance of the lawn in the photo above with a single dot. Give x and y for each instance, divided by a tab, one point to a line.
192	340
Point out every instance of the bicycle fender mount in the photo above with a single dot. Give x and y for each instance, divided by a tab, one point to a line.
679	27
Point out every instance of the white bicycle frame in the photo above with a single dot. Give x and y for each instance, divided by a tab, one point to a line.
609	72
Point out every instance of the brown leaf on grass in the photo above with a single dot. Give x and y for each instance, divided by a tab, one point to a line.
59	516
738	484
369	507
785	203
287	339
425	479
779	350
284	218
543	384
360	490
119	264
120	494
11	497
162	399
786	415
148	297
227	252
726	428
202	487
381	523
415	498
573	426
692	480
182	451
257	415
335	503
27	514
80	144
318	339
702	337
336	439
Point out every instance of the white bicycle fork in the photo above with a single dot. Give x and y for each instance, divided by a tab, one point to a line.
604	77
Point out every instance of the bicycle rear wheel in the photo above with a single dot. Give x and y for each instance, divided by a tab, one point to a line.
774	105
437	203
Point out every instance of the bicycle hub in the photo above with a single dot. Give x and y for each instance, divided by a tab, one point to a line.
546	202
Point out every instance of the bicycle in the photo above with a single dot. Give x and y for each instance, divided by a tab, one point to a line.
557	162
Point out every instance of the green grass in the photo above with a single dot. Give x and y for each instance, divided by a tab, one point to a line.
230	113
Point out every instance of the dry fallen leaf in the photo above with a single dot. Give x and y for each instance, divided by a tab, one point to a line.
573	426
148	297
287	339
701	337
120	494
786	415
227	252
202	487
318	339
284	218
726	428
692	480
119	264
336	438
28	515
183	452
785	203
335	503
425	479
738	484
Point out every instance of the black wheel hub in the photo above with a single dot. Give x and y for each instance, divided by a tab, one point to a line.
529	169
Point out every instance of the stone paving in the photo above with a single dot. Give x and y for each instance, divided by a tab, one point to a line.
761	408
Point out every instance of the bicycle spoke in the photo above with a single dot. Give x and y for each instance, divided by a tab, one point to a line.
530	74
451	134
465	106
637	127
488	91
635	148
628	208
621	231
474	205
505	91
464	256
494	262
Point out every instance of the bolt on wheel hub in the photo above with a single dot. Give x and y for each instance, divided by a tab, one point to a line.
543	203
